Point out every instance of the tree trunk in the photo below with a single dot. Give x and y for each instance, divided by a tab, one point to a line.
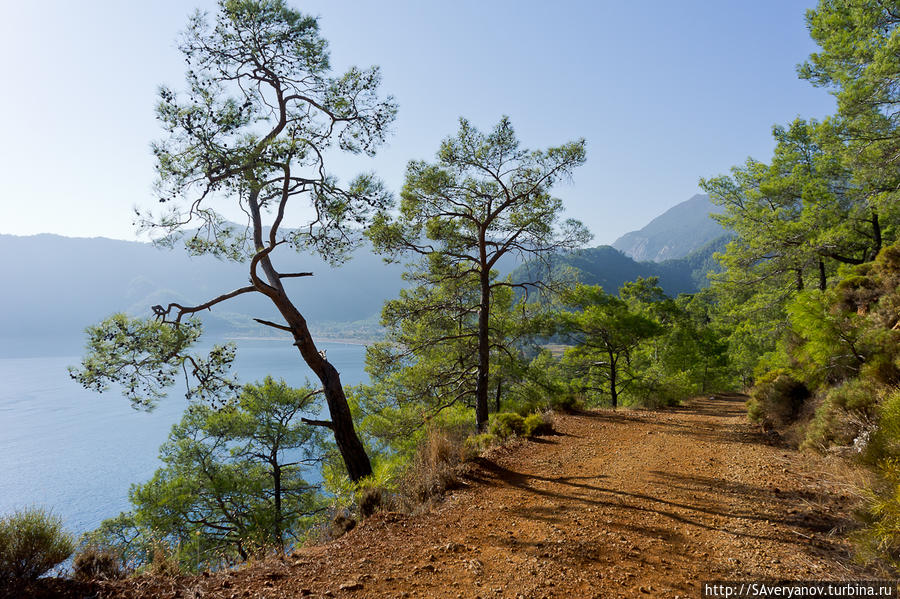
350	447
799	280
481	383
822	280
876	235
613	392
276	479
499	392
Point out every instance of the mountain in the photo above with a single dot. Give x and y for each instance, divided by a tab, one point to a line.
675	233
608	267
56	286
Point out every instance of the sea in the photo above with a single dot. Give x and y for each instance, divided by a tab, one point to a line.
76	452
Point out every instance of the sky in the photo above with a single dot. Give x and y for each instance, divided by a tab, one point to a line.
664	93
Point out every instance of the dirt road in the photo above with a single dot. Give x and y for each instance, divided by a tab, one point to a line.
619	504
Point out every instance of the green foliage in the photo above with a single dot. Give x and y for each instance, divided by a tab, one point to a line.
884	443
481	442
261	108
846	415
810	291
143	357
350	496
778	397
858	62
879	540
32	542
537	425
484	198
605	331
249	134
506	424
231	484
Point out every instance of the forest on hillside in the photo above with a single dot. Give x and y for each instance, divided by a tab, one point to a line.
802	309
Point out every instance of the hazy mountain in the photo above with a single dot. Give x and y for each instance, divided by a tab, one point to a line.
56	286
674	234
608	267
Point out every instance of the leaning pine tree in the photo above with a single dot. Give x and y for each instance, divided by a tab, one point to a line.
250	134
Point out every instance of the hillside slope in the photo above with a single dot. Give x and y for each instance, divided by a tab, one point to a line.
620	504
674	234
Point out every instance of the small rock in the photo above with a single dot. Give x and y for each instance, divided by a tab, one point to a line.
351	586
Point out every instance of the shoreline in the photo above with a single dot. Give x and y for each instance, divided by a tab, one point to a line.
344	340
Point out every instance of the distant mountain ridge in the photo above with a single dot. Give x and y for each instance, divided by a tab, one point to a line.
674	234
56	286
608	267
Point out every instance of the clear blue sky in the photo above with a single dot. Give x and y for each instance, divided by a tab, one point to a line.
664	93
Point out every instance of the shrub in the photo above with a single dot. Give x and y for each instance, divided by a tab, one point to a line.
845	415
879	540
884	445
537	425
778	397
32	542
506	424
566	402
93	562
755	411
478	443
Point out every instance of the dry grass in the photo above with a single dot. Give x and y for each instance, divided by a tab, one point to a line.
96	563
435	468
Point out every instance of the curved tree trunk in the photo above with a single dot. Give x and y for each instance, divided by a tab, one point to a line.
350	447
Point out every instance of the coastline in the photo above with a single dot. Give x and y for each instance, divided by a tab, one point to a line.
345	340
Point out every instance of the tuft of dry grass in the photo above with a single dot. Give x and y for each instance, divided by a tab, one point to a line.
435	467
96	563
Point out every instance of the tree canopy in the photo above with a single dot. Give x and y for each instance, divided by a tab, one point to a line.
250	134
484	198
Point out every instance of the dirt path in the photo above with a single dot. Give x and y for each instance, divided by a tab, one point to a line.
624	504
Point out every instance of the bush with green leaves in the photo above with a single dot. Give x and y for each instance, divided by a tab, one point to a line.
777	397
32	542
231	484
537	425
506	424
846	414
879	539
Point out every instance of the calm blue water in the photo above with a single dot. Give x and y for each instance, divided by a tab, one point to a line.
77	452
